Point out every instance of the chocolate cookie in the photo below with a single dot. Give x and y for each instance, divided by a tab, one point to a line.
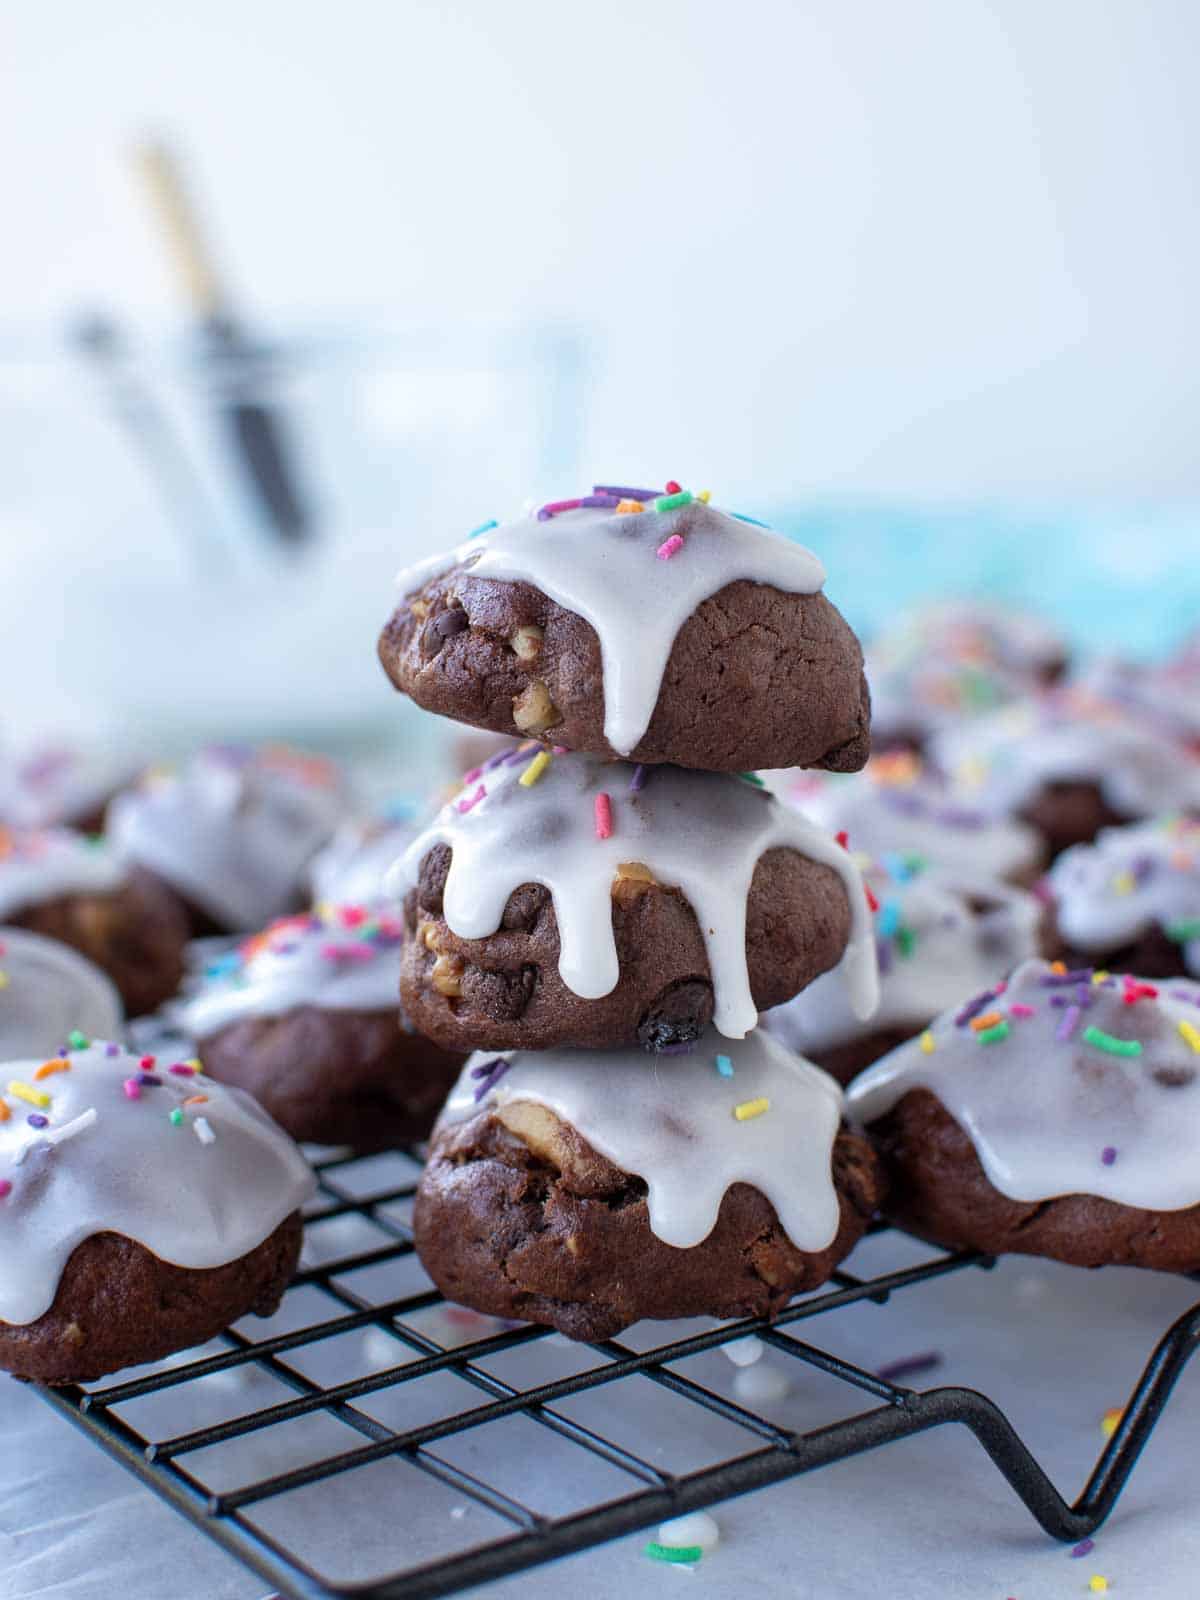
568	901
1131	900
71	888
717	1195
305	1017
144	1207
684	635
939	936
1057	1116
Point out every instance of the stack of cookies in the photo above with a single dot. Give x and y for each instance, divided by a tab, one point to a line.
602	911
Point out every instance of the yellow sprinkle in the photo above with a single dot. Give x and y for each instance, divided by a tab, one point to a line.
49	1068
1110	1421
927	1044
705	495
751	1108
1192	1034
1099	975
3	980
1097	1584
195	1064
31	1096
535	769
1123	883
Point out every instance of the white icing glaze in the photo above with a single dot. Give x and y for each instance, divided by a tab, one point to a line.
1044	1111
47	990
234	830
127	1169
52	785
604	567
896	805
351	868
40	864
1166	693
1131	879
1066	736
673	1125
338	958
939	936
701	832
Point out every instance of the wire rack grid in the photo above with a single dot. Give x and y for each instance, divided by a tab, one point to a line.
351	1293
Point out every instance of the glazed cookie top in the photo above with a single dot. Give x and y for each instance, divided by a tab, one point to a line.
1075	1082
571	821
351	868
898	806
1166	693
1067	736
53	785
1108	893
703	1118
46	991
40	864
336	957
939	935
635	564
234	829
97	1140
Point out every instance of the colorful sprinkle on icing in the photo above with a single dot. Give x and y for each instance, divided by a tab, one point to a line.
1109	1043
535	769
724	1066
747	1110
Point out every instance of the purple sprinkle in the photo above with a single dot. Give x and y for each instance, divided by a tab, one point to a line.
112	1049
960	817
1142	867
490	1073
684	1048
1060	1000
1083	1548
626	494
1063	980
883	951
973	1008
605	499
497	760
149	1080
907	1365
908	805
35	1119
512	757
638	781
1108	1155
1069	1023
1084	995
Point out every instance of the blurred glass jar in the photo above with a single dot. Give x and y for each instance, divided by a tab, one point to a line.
150	597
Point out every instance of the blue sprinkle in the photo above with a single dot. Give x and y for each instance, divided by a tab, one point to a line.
484	527
725	1066
753	521
888	922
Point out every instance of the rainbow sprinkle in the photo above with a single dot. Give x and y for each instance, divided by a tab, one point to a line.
30	1095
603	814
1111	1044
993	1035
724	1066
1192	1034
747	1110
535	769
669	547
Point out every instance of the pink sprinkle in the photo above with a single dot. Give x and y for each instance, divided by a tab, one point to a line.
560	750
1020	1009
353	916
473	776
669	547
604	826
182	1070
133	1089
5	1188
469	804
345	952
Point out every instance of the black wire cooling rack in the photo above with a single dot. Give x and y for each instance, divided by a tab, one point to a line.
351	1295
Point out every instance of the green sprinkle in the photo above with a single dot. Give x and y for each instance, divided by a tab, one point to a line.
1109	1042
176	1116
1181	932
77	1040
994	1034
684	1554
725	1066
753	777
906	941
669	502
914	862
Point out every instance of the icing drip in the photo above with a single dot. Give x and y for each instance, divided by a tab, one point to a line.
338	958
939	936
234	830
700	832
1109	893
1087	1084
352	866
1068	737
606	568
111	1159
40	864
46	990
676	1126
898	805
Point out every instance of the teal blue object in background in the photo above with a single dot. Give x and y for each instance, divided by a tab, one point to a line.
1123	580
